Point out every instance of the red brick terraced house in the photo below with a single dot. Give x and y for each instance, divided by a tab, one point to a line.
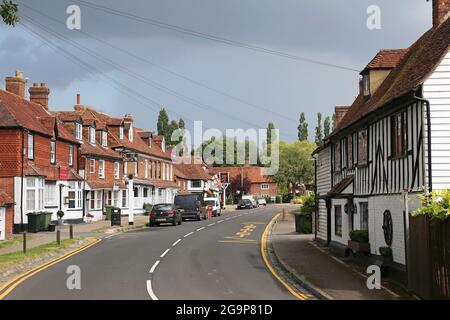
6	215
121	158
38	156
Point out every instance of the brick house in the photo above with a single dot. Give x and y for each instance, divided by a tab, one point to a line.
6	215
38	156
261	185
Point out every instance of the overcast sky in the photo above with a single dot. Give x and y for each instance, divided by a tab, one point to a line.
324	30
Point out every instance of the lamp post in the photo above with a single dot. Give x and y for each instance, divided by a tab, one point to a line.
130	200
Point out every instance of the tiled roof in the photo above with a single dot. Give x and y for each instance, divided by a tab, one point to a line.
386	59
192	171
5	199
19	112
252	173
93	185
417	64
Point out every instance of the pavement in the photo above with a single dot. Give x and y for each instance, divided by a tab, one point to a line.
316	270
212	259
92	229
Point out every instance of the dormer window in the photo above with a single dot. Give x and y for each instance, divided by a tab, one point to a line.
91	135
78	131
366	85
104	138
130	133
121	133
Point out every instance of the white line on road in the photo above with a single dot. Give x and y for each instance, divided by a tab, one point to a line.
165	252
154	266
227	219
176	242
112	235
150	290
187	235
220	221
211	224
200	229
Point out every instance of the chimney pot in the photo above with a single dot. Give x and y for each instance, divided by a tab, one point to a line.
78	98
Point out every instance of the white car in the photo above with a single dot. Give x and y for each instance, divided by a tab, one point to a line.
252	199
262	202
215	203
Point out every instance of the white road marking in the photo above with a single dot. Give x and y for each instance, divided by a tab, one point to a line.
176	242
187	235
200	229
227	219
165	252
150	290
211	224
112	235
220	221
154	266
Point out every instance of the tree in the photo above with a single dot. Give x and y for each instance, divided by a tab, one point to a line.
163	124
172	127
302	128
296	166
334	121
270	127
319	131
181	124
8	12
239	184
327	127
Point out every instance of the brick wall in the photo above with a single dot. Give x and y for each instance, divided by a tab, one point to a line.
10	155
109	171
255	189
7	185
9	221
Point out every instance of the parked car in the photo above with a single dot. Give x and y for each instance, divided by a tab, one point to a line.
245	204
262	202
165	213
252	199
215	203
191	206
288	198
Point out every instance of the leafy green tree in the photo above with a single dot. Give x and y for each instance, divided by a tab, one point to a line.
302	128
270	127
8	12
163	124
172	127
181	124
334	121
327	127
296	167
319	130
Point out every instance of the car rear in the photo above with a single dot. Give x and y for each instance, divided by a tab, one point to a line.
189	205
164	213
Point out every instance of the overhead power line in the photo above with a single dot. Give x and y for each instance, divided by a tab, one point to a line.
165	69
210	37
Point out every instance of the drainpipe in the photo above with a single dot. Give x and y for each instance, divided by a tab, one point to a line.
21	180
428	115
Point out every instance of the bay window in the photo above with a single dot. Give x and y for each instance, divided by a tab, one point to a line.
51	193
124	198
75	195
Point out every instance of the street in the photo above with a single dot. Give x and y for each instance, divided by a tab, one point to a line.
215	259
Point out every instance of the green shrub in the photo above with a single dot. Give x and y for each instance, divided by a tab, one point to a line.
148	207
361	236
297	200
385	251
436	205
268	199
229	200
278	199
308	203
60	214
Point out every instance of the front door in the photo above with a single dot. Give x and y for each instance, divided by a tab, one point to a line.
2	223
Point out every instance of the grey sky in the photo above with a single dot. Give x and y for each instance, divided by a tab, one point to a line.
328	30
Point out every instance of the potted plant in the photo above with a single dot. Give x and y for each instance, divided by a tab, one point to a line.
359	241
386	254
60	215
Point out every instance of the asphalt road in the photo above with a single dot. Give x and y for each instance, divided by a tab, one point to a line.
214	259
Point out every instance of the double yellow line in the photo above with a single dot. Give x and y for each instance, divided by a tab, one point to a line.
294	292
11	285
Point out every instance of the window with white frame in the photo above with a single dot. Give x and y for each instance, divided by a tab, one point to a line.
98	199
109	196
364	211
30	146
136	168
91	135
104	138
52	152
265	186
34	194
51	193
121	133
115	198
124	198
92	165
125	168
78	131
101	169
146	168
75	195
70	155
116	170
196	183
92	200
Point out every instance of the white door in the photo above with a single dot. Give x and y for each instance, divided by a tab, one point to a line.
2	223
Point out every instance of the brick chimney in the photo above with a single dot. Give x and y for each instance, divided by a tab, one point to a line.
441	11
340	112
16	84
39	94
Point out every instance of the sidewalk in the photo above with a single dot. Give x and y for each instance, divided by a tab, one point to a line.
316	269
82	230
